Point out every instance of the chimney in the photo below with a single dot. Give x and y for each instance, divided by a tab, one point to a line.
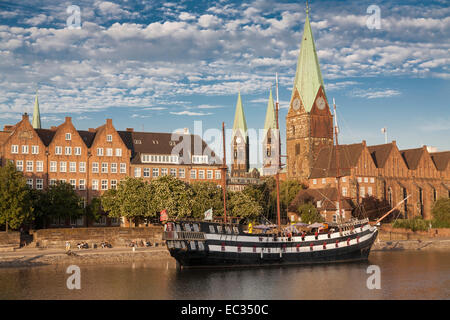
53	128
91	130
394	142
25	116
109	122
186	130
364	143
130	130
8	128
69	119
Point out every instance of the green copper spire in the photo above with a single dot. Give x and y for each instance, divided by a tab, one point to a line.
308	77
36	114
270	115
239	119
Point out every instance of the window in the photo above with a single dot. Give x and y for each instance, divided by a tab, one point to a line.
164	171
344	191
29	166
324	181
82	167
52	166
123	168
113	167
344	179
62	180
366	180
39	166
369	191
104	167
146	172
19	165
181	173
68	151
58	150
199	159
94	167
155	172
218	174
362	191
173	172
209	174
113	184
94	184
109	137
109	152
39	184
372	180
77	151
137	172
118	152
359	179
68	136
62	166
30	183
25	149
73	183
52	182
72	167
82	184
201	174
193	174
314	181
35	149
104	184
14	149
99	151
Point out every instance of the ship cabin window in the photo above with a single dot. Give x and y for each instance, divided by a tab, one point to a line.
219	229
201	247
211	229
235	230
196	229
187	227
192	244
228	229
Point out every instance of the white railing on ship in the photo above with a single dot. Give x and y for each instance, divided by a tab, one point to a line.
353	223
183	235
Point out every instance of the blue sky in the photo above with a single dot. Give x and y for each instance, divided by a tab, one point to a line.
160	66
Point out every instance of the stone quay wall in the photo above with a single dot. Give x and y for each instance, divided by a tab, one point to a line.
387	233
10	239
116	236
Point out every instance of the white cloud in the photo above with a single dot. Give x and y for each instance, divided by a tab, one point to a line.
190	113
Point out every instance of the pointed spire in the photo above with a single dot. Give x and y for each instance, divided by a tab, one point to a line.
36	123
308	77
270	115
239	118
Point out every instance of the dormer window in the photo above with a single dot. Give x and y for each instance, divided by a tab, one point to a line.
68	136
137	142
109	137
199	159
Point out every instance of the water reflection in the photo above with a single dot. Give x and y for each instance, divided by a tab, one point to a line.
404	275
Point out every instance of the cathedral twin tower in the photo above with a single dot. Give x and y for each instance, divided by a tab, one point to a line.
309	123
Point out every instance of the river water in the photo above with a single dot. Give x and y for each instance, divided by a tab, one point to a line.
403	275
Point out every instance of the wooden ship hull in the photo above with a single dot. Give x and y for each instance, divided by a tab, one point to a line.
219	245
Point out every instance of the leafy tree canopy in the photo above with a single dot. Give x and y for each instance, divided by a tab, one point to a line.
309	214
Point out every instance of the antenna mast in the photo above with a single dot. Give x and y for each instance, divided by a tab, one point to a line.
277	177
338	176
224	175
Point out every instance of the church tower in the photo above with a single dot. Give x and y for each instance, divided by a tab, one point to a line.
270	146
239	143
309	123
36	123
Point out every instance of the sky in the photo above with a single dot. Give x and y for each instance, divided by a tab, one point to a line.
160	66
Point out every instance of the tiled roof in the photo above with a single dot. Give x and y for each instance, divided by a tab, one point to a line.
325	165
46	135
380	153
3	136
328	197
441	159
412	157
87	136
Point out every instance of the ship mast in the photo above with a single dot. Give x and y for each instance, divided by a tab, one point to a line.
338	176
277	177
224	176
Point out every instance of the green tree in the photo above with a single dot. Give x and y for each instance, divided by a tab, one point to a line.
288	191
94	209
309	214
174	195
15	198
207	195
243	205
441	213
63	202
40	204
132	199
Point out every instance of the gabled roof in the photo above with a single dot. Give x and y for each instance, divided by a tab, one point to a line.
308	77
380	153
270	114
412	157
239	119
46	135
441	159
3	136
87	137
325	164
327	196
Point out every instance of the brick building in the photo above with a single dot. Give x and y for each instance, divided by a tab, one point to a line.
96	160
382	171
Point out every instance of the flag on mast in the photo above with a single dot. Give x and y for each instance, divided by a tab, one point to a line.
163	215
209	214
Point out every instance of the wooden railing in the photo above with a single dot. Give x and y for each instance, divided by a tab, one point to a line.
183	235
